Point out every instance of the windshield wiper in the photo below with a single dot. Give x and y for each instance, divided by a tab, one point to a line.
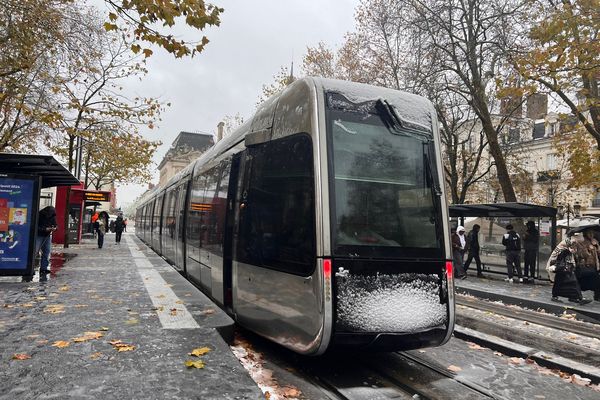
397	125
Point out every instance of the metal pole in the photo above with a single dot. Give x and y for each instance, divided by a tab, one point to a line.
78	157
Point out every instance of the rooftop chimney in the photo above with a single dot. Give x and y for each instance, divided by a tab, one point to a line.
220	128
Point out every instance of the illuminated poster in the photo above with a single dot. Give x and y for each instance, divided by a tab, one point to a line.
18	212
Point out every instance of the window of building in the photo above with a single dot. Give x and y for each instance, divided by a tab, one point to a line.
277	221
551	161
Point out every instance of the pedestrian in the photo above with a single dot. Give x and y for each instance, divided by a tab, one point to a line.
588	262
458	251
125	225
531	242
561	269
100	227
512	242
119	227
46	225
473	250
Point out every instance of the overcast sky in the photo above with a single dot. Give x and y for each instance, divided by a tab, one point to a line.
254	40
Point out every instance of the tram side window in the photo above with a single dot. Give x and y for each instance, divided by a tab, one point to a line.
196	210
277	228
214	221
156	216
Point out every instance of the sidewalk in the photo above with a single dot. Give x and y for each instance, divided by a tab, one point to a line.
127	321
532	296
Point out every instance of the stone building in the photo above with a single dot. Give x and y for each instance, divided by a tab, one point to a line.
186	147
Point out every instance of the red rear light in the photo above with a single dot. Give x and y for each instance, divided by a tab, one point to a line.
327	268
449	270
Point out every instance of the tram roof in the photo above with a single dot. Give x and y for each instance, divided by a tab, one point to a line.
51	171
501	210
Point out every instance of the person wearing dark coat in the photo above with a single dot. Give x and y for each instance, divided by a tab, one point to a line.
512	241
119	228
473	249
561	269
46	225
531	242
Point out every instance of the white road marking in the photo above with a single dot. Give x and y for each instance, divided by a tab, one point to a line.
171	313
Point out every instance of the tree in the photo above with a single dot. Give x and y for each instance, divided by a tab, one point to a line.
143	19
280	80
92	98
231	123
562	56
467	41
35	36
116	157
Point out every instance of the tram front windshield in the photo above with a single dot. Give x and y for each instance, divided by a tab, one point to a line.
383	204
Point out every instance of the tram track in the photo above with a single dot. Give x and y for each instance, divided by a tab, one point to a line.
547	320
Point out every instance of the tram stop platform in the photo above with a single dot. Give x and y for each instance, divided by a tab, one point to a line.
115	323
536	296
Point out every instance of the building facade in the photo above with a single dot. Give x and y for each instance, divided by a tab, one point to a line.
186	147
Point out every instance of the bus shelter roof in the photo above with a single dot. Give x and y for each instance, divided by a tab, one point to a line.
51	171
502	210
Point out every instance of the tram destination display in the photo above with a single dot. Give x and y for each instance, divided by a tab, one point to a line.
18	221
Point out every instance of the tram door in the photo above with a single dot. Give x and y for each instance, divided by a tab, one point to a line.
228	234
180	226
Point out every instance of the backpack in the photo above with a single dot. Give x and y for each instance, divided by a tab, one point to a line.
512	241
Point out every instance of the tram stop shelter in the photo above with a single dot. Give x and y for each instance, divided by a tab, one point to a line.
493	218
22	176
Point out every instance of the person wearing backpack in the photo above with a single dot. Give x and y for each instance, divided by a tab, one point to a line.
512	242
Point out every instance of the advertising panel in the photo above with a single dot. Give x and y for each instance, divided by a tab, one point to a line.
18	223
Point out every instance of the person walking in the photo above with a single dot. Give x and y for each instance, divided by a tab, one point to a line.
531	242
100	227
458	251
512	242
587	261
561	269
119	228
473	250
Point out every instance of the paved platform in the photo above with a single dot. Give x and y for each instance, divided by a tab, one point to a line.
532	296
128	322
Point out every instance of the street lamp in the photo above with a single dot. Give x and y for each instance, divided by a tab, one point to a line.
569	210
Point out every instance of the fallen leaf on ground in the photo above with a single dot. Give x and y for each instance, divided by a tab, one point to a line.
88	336
578	380
132	321
8	306
194	364
267	395
173	311
32	336
96	355
179	302
104	328
27	305
64	288
80	305
199	351
120	346
454	368
475	346
54	309
187	295
61	344
160	296
21	356
40	298
516	360
43	341
289	391
208	311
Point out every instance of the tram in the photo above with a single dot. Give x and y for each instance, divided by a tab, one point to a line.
321	222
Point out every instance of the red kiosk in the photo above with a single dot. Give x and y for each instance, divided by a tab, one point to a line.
78	196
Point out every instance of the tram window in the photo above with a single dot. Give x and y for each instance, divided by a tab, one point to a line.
277	225
156	217
214	221
195	215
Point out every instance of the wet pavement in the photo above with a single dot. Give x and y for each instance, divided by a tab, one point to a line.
114	323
